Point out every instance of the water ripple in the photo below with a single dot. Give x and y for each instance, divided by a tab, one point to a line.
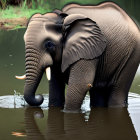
17	101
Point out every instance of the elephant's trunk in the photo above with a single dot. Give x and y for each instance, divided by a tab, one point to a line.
30	97
34	73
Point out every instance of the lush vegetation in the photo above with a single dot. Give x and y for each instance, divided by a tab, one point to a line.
22	8
29	3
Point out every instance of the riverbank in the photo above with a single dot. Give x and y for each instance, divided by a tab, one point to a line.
14	17
13	23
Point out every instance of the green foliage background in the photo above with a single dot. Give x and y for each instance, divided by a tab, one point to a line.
28	7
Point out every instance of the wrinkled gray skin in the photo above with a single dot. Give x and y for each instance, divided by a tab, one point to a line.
100	57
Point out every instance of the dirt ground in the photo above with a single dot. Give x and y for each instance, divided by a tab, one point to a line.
9	24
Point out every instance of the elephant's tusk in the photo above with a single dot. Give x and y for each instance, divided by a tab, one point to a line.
21	77
48	73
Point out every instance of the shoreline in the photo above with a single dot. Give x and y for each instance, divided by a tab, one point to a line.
13	23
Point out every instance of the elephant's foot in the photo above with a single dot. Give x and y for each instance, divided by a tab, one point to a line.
74	97
118	99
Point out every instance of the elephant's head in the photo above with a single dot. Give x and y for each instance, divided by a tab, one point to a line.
57	39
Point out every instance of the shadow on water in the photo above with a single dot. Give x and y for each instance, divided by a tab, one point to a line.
103	124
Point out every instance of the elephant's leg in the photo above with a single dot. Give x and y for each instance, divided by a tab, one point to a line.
56	89
81	77
119	90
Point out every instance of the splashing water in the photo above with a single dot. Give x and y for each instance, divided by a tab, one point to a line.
17	101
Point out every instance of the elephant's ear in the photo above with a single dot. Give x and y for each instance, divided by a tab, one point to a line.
83	40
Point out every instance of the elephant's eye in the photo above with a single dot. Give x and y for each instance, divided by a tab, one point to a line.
50	46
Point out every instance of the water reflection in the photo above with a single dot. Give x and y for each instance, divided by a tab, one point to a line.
32	130
103	123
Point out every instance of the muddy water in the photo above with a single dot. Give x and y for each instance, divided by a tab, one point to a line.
42	123
18	121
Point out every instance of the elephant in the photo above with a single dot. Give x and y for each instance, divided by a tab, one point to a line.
88	48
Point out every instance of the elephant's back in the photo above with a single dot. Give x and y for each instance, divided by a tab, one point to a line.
121	32
114	23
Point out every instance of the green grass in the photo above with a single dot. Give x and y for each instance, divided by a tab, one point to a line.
14	28
16	12
24	10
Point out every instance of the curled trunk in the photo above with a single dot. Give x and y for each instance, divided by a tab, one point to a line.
34	74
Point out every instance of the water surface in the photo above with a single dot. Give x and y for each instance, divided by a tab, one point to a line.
43	123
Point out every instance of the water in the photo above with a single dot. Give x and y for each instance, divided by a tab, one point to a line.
43	123
18	121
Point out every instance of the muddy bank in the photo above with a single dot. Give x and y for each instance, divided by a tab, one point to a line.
9	24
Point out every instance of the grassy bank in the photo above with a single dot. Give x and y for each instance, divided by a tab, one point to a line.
16	16
18	12
12	11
